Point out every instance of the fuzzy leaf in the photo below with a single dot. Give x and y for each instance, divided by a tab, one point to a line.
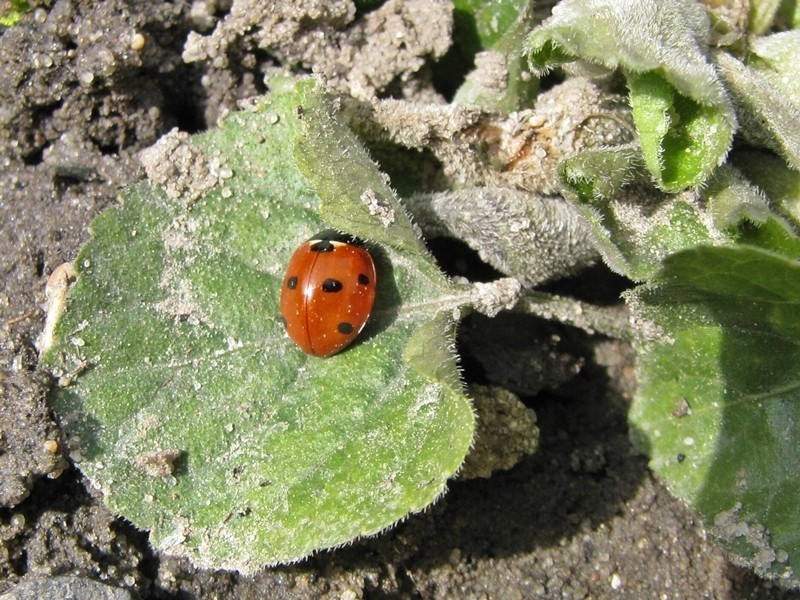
501	80
339	169
530	237
777	57
762	14
742	211
477	27
780	183
191	410
479	24
601	174
682	140
731	199
680	108
718	406
767	113
636	230
624	34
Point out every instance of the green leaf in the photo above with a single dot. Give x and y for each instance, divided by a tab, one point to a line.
776	57
626	34
718	406
742	211
762	15
731	199
766	112
780	183
775	234
480	24
635	227
356	196
682	140
191	410
501	80
636	230
530	237
596	175
789	11
680	107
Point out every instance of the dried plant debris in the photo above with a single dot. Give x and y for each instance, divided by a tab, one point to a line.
522	149
158	463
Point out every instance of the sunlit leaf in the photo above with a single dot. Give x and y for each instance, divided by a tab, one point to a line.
718	406
766	112
682	140
190	409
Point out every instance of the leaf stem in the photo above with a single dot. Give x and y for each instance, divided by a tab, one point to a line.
611	321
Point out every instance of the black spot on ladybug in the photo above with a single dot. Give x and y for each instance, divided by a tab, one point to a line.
291	283
332	285
321	246
363	279
345	328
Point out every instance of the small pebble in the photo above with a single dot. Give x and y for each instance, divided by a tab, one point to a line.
137	42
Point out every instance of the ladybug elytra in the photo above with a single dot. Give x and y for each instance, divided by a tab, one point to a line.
327	293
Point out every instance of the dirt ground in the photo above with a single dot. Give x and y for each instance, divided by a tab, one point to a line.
85	86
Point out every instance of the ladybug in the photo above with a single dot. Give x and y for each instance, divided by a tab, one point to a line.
327	293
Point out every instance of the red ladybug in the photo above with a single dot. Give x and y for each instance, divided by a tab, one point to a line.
327	293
